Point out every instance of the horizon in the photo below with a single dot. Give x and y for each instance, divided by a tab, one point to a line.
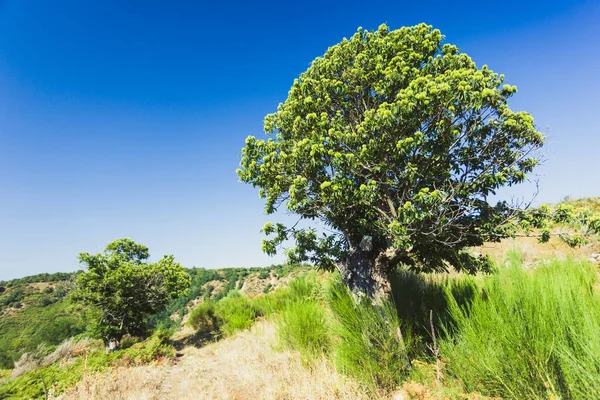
128	120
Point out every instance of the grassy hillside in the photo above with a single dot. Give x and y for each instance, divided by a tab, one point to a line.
36	310
526	330
518	333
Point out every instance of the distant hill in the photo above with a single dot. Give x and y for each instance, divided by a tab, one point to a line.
36	310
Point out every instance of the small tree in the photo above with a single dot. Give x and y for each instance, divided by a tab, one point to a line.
125	289
393	141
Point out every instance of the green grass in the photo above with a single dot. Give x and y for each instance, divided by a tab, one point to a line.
372	345
235	313
303	326
227	315
529	334
302	323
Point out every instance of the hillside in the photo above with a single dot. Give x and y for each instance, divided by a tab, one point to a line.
286	331
36	310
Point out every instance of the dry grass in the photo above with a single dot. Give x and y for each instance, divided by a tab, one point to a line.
65	351
534	251
244	366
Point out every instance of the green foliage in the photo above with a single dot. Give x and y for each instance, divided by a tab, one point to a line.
156	347
264	274
530	334
227	315
303	287
34	325
372	345
203	318
392	135
302	325
575	222
61	376
198	289
272	302
126	289
418	295
235	312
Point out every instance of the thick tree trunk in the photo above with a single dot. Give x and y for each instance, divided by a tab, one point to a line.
366	274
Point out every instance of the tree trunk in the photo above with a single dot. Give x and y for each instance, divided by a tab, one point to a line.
112	345
366	274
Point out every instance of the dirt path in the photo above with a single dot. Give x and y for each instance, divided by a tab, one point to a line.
241	367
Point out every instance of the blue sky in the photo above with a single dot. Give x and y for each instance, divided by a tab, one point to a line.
126	119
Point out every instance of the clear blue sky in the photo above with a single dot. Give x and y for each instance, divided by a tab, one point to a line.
126	119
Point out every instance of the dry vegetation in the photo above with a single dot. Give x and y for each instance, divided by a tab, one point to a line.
534	251
245	366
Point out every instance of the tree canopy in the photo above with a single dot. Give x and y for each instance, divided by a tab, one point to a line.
393	141
125	289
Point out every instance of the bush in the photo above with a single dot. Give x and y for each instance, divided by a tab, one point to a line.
304	286
203	318
303	326
416	295
530	334
152	349
264	274
44	301
271	302
372	345
235	312
267	288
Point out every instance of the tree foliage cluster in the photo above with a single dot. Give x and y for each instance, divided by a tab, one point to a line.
575	223
125	289
393	141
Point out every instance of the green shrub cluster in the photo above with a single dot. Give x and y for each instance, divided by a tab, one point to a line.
227	316
302	323
372	343
529	334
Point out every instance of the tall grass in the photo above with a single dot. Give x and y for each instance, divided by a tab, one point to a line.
372	345
302	323
529	334
235	313
229	315
418	295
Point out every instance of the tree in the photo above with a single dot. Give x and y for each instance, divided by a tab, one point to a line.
125	289
393	141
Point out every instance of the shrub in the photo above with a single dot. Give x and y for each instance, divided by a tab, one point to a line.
530	334
416	295
152	349
303	326
264	274
271	302
267	288
235	312
372	345
304	286
203	318
44	301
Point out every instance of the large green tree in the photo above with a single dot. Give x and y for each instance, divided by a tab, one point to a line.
393	141
125	289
